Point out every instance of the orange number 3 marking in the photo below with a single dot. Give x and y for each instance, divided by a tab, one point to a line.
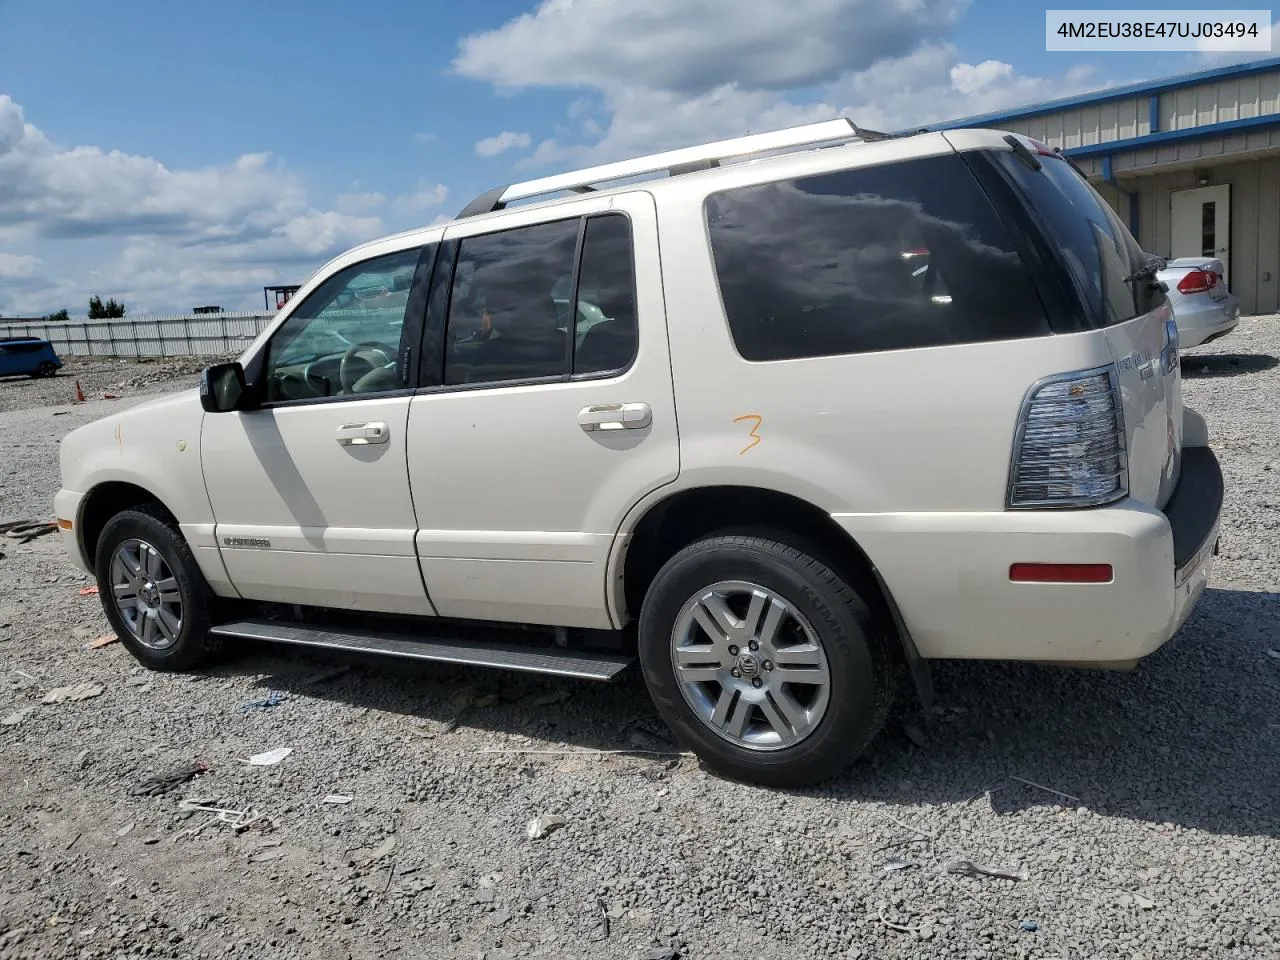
755	437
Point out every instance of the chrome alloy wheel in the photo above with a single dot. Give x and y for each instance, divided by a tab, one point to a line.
146	594
750	666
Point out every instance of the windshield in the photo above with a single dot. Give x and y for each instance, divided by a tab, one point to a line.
1096	247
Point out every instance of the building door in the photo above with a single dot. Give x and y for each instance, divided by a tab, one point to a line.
1202	224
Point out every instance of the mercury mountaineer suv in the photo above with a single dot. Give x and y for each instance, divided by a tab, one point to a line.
784	417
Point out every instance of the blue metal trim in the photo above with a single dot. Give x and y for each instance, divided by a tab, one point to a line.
1172	136
1106	96
1155	113
1106	168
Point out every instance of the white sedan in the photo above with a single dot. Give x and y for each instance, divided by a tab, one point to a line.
1203	308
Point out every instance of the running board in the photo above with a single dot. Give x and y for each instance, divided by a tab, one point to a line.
583	665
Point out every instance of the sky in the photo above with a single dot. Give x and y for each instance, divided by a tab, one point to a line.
189	153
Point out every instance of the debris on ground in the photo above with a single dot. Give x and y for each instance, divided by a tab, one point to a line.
544	825
1029	926
324	676
661	953
1274	654
90	591
24	530
15	718
1040	786
915	735
102	641
162	783
78	691
373	855
270	758
967	868
273	699
337	798
238	820
1135	900
548	698
897	863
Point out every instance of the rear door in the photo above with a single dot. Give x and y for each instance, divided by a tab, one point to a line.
1102	258
542	424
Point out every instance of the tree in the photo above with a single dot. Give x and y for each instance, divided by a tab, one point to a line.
58	316
108	311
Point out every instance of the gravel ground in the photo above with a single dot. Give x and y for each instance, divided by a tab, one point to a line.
123	378
1143	809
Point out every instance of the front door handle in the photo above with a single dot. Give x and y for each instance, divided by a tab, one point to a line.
615	416
360	434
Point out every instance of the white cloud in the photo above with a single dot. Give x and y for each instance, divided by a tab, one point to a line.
1211	53
424	196
679	72
13	266
356	203
128	225
506	140
698	45
423	136
932	84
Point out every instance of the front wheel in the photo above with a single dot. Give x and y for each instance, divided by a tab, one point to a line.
152	590
764	661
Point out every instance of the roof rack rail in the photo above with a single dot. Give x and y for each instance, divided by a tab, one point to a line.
672	162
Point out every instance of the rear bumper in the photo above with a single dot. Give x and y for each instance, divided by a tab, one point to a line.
949	574
1204	319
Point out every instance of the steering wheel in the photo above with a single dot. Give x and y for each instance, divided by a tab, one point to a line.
349	371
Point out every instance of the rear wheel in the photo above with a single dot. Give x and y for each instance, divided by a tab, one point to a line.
152	590
764	661
47	368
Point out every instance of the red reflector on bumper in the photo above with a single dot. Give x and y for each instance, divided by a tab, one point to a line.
1060	573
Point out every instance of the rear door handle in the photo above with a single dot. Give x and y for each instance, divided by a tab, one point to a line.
360	434
615	416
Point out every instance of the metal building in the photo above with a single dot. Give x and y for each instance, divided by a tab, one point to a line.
1192	163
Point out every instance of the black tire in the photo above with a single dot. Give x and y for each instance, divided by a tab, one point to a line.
193	645
46	369
856	645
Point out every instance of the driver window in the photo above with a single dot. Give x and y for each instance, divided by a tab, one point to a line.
344	338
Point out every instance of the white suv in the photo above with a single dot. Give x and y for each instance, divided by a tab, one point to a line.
814	406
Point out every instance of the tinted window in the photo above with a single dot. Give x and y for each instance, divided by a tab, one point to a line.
606	317
883	258
1097	248
504	322
344	338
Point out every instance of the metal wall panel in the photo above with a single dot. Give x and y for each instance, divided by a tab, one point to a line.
195	335
1255	222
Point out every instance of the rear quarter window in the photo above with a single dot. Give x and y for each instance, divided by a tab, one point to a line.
899	256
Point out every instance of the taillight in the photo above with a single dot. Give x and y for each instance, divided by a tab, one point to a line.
1198	281
1069	445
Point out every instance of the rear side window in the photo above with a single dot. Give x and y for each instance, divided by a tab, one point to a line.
1097	248
891	257
504	323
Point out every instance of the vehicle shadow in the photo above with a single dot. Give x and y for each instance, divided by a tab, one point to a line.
1212	365
1191	738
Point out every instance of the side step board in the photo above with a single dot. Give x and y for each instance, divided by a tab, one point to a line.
584	665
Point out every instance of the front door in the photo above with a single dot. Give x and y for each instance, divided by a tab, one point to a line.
1202	224
310	493
552	411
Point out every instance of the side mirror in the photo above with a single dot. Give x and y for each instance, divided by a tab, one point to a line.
223	388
